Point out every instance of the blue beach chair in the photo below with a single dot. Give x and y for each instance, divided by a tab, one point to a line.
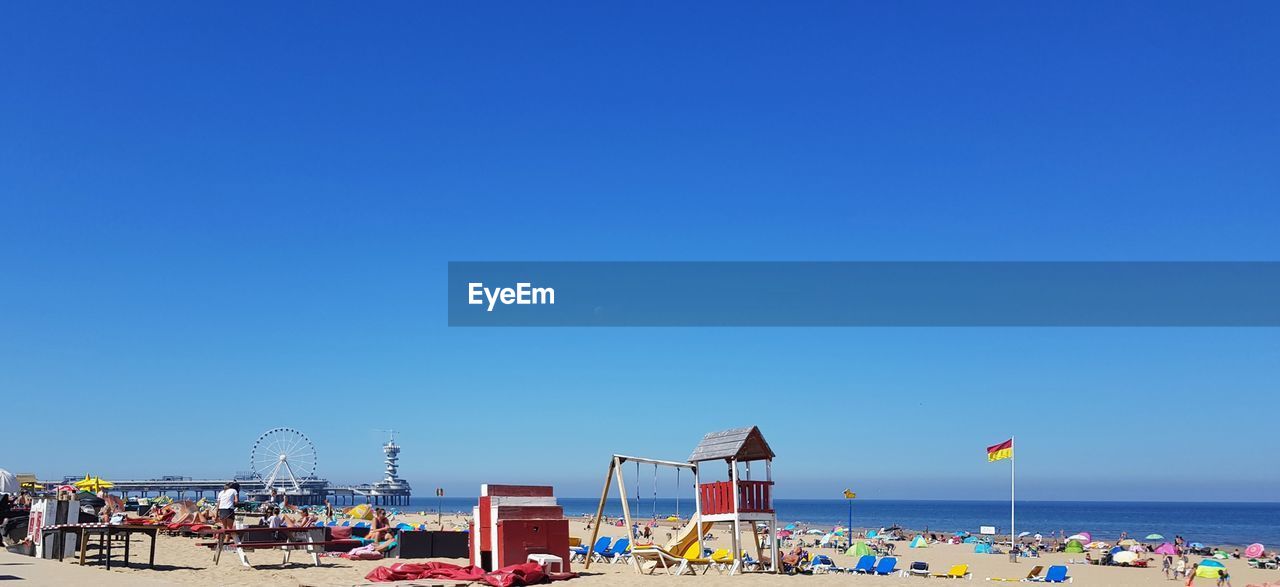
1056	574
616	552
823	564
887	566
582	552
865	565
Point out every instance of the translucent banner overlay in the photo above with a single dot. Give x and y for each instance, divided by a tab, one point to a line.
864	294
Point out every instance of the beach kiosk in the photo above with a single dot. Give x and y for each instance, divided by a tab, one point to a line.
741	499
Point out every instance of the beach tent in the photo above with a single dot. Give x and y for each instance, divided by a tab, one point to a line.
1165	548
982	548
871	533
970	539
8	482
1209	569
919	542
859	550
1074	547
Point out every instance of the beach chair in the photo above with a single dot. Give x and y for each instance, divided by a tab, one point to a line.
694	559
616	552
1055	574
581	553
865	565
661	559
955	572
887	566
823	564
722	559
749	563
917	569
1032	575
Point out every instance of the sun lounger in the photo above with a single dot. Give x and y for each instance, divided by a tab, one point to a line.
616	552
661	559
887	566
581	553
1055	574
1032	575
917	569
955	572
823	564
865	565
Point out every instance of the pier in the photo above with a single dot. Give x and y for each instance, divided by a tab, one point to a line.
283	460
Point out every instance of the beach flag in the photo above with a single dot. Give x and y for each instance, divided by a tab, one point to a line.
849	494
1001	451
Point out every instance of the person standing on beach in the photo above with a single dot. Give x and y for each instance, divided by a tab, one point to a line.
328	511
227	505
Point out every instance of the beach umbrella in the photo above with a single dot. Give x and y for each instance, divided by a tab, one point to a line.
813	531
1125	557
92	484
1154	537
1021	534
1196	545
1127	542
1116	549
1098	544
840	532
1082	537
1165	548
784	533
9	482
1254	550
790	527
827	538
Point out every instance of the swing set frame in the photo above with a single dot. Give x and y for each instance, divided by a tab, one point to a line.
615	473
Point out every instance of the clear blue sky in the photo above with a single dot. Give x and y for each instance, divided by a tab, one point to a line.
218	218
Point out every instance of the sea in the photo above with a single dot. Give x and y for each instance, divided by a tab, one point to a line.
1218	523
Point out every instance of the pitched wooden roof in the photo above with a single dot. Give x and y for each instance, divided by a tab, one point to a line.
743	444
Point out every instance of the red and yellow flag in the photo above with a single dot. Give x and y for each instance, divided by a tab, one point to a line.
1004	450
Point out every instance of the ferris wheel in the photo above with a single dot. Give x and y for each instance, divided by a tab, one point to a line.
283	457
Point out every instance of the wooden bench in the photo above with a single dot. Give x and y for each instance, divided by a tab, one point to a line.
311	544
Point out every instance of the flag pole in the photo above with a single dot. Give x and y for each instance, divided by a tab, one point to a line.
1013	536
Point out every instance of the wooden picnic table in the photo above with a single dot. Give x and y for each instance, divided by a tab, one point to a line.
312	541
105	532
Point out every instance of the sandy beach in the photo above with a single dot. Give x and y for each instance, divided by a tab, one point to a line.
180	561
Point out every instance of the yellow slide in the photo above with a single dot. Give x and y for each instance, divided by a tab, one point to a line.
687	538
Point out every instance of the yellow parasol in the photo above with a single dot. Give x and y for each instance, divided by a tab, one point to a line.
93	484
